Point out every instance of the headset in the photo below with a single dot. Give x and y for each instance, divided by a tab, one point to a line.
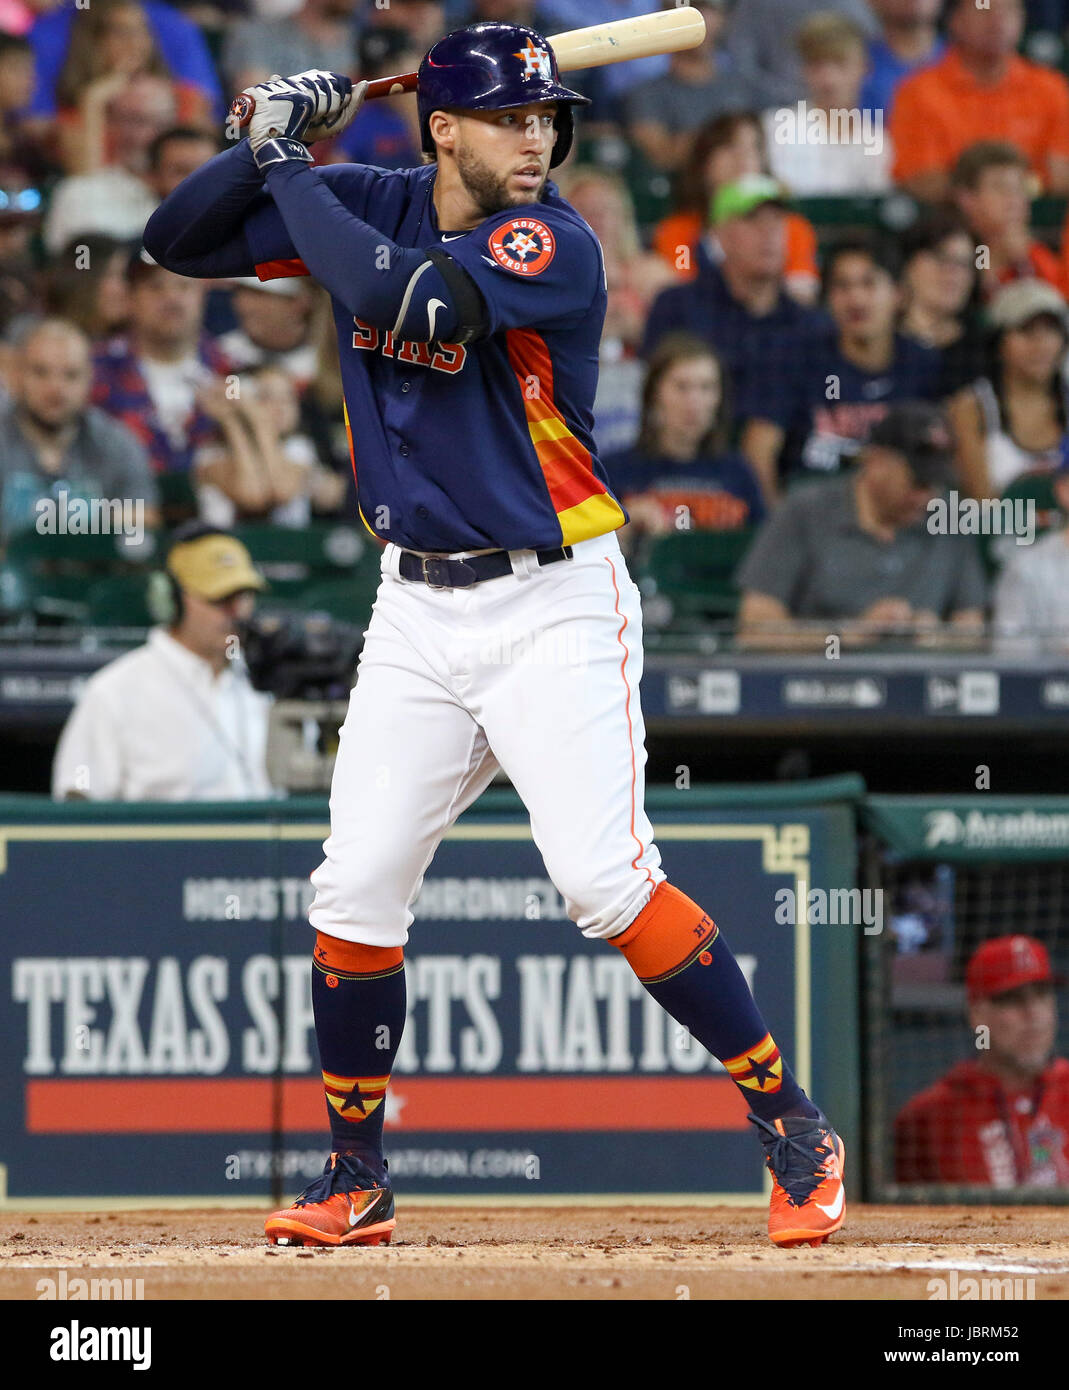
163	596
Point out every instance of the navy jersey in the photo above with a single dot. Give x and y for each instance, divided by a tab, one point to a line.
827	405
720	492
484	445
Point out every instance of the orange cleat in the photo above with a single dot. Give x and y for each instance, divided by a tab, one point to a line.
346	1206
806	1159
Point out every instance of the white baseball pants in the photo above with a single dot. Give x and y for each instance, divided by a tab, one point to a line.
536	672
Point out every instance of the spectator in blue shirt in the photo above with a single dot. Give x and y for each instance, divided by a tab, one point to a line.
178	39
908	40
679	474
738	304
831	386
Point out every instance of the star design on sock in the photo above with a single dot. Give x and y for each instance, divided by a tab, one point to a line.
762	1070
354	1100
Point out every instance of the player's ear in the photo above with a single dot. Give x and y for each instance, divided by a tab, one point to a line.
443	126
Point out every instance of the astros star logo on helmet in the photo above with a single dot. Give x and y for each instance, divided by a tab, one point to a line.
536	61
524	245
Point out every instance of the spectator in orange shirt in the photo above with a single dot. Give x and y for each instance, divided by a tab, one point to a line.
728	149
981	90
989	184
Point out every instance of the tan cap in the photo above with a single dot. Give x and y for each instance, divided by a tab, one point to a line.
214	567
1024	300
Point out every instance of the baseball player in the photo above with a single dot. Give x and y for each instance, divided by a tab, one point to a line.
469	299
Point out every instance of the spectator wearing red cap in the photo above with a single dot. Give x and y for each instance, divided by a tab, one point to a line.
1003	1119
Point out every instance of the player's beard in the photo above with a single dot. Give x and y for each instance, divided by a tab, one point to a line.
487	190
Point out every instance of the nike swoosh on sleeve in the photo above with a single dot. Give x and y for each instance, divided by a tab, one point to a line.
433	306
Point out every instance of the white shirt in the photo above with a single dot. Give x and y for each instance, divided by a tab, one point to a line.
159	725
173	389
301	362
1032	598
810	169
216	508
111	202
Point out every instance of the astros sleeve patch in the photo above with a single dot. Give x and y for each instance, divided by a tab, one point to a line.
533	266
525	245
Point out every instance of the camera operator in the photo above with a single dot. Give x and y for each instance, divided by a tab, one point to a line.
177	719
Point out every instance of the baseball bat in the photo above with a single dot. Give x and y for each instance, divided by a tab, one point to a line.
643	36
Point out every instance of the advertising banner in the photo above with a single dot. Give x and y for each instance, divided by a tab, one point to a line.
158	1029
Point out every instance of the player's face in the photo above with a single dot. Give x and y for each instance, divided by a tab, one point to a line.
1023	1023
862	298
503	156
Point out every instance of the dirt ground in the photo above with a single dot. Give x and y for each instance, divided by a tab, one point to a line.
580	1252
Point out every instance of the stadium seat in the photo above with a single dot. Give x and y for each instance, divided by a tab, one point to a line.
294	559
50	575
178	500
347	600
836	215
689	576
119	601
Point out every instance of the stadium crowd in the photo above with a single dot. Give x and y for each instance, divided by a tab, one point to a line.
827	303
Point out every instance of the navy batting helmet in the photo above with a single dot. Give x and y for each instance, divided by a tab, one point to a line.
487	67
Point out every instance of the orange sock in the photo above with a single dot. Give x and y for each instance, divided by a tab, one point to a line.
666	936
351	959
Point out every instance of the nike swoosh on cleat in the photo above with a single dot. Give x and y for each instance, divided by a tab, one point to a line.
834	1209
355	1217
432	313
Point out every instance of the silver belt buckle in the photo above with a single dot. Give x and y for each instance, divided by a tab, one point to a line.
426	560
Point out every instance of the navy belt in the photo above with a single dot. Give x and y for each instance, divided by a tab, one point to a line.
442	573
